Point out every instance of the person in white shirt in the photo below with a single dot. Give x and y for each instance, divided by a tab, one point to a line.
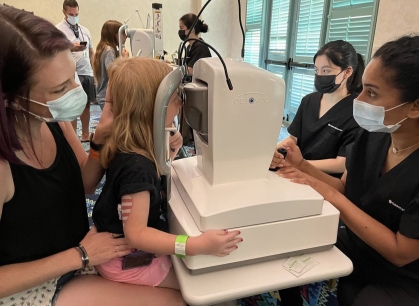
83	55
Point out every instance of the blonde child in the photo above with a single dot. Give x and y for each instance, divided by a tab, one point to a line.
133	179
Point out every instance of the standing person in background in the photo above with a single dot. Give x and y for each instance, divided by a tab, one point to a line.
83	54
195	50
324	124
106	53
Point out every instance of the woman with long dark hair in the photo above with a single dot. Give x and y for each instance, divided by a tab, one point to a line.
46	246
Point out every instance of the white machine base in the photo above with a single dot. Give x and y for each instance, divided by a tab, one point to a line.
261	242
242	203
226	285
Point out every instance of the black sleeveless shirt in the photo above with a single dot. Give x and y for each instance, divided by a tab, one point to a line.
47	213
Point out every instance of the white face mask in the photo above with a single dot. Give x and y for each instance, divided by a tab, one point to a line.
371	117
73	20
66	108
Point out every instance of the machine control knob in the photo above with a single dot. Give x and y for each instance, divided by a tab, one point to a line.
282	151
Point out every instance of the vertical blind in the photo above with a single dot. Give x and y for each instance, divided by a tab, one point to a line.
297	29
279	30
253	31
351	20
310	18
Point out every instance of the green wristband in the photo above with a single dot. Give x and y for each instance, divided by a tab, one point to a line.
180	246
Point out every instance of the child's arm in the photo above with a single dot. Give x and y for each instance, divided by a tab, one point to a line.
139	236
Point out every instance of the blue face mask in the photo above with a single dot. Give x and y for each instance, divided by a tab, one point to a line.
73	20
371	117
66	108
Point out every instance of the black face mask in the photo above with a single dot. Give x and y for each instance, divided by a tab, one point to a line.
182	34
326	83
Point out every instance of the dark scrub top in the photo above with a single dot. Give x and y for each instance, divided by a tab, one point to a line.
196	52
129	174
391	198
325	137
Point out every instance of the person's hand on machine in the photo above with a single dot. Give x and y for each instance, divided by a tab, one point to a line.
214	242
125	53
175	143
278	159
294	157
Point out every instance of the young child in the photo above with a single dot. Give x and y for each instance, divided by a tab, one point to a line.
133	180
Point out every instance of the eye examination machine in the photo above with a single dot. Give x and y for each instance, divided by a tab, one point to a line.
146	42
227	185
236	113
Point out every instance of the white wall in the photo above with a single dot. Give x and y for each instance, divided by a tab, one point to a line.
396	18
220	15
224	30
94	13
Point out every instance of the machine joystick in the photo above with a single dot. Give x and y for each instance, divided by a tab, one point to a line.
282	151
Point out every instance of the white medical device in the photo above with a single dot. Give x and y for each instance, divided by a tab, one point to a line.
146	42
142	42
228	185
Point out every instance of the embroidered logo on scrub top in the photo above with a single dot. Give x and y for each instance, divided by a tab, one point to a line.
395	205
333	127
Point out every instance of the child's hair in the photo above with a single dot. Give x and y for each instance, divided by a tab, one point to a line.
107	39
133	87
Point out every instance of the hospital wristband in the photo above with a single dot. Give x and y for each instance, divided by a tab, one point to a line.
180	246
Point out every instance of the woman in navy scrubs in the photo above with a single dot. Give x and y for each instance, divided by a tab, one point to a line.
324	125
378	195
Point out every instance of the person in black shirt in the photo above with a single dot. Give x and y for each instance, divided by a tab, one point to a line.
324	124
133	201
378	194
195	49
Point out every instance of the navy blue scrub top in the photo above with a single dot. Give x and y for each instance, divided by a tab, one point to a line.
328	136
391	198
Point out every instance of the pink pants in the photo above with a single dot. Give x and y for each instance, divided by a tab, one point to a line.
151	275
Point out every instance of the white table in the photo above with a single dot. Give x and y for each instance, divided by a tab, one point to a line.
234	283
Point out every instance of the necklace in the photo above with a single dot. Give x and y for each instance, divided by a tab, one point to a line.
395	151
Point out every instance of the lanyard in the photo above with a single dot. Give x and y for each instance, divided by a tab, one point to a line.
75	30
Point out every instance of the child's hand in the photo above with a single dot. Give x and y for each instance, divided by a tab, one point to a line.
175	143
125	53
216	242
